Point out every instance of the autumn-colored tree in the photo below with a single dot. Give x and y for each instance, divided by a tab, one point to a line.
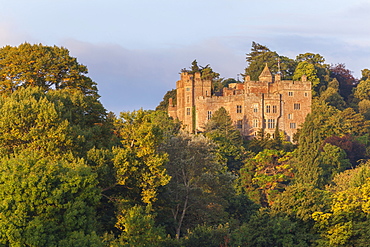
345	79
362	94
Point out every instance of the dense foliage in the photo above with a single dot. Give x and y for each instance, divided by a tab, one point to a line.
72	174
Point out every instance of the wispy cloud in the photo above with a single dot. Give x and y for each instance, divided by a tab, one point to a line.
131	79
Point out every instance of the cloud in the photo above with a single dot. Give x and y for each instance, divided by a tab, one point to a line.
132	79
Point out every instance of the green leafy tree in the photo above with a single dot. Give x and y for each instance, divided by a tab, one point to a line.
163	105
138	228
346	223
223	132
199	185
207	236
265	229
91	125
310	58
265	175
332	97
312	65
300	200
315	164
52	122
309	70
333	160
261	55
133	171
43	66
139	164
45	202
29	120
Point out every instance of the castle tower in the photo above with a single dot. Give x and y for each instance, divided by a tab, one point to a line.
189	89
266	104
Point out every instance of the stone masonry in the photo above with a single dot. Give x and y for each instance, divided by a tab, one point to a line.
265	104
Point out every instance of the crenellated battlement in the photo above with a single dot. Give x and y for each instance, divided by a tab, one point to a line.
252	105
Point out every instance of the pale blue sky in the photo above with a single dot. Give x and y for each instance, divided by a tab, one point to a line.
134	49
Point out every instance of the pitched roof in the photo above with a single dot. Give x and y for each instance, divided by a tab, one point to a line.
266	74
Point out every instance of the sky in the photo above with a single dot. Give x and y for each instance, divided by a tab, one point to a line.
135	49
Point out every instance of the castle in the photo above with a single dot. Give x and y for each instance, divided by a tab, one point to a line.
265	104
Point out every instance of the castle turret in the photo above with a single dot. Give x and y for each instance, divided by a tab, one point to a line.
266	75
267	104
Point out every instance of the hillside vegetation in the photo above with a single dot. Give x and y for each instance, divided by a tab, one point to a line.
72	174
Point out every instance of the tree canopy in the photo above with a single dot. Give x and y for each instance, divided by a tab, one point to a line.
72	174
43	66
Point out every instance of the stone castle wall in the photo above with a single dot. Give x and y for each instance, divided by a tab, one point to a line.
252	105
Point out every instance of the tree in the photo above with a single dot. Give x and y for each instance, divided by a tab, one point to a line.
309	70
362	90
364	108
312	65
163	105
222	131
54	122
45	202
199	184
332	97
260	55
310	58
43	66
346	223
315	164
194	67
265	175
138	228
90	123
345	79
265	229
300	201
139	164
29	120
207	236
355	151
